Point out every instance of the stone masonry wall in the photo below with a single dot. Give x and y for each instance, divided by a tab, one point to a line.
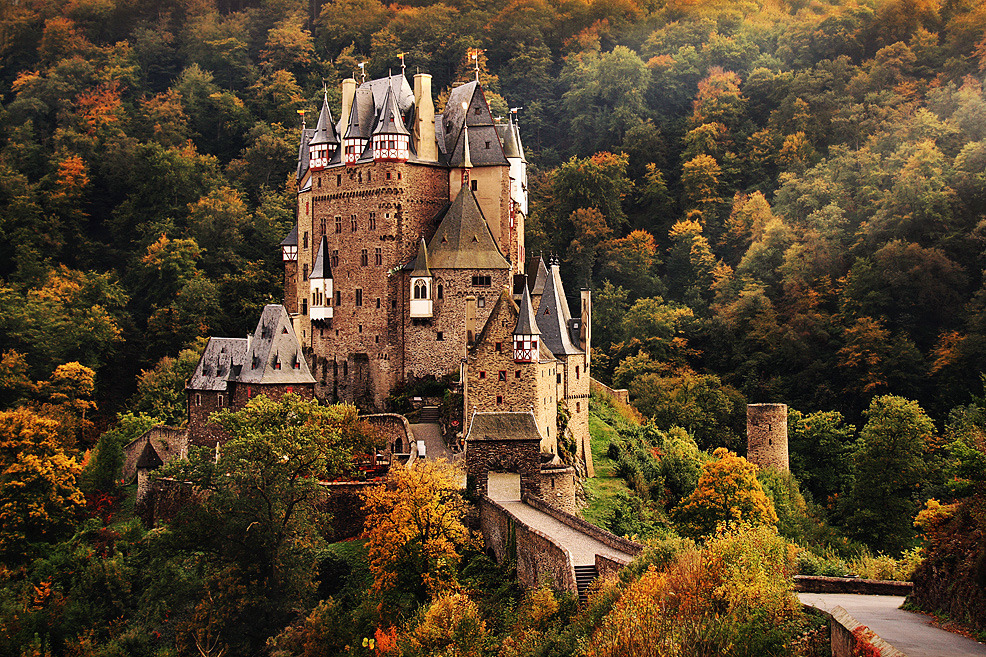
766	435
520	456
540	560
598	533
201	404
558	488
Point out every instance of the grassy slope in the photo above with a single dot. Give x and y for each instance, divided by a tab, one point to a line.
600	490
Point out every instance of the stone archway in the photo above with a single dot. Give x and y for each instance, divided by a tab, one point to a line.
501	444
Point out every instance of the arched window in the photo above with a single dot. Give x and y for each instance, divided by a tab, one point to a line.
420	289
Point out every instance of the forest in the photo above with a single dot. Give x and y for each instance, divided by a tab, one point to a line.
771	200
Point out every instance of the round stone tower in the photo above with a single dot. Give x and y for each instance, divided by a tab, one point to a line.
766	435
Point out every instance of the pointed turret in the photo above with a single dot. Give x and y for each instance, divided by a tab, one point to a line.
320	284
391	138
421	284
358	125
526	334
324	142
553	315
540	279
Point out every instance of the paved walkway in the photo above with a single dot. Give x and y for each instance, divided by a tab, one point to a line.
909	632
582	548
431	434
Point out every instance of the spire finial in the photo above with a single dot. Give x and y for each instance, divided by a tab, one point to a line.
401	55
362	70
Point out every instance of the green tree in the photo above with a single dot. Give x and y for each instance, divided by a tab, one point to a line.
820	446
889	470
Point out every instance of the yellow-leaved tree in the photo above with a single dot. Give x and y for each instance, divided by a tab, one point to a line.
728	494
39	499
414	531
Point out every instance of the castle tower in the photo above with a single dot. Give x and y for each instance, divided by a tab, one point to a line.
421	285
391	139
766	436
289	255
324	142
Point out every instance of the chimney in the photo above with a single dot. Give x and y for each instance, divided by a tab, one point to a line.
424	119
470	319
585	334
348	94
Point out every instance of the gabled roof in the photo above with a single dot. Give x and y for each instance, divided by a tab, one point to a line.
274	342
463	239
398	84
503	426
390	121
360	121
421	262
325	132
526	323
553	316
321	268
219	364
485	148
506	313
292	238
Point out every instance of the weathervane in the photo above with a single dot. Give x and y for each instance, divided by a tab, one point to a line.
474	54
362	70
513	113
401	55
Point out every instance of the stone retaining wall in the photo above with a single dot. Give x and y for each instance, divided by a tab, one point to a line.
606	567
578	524
540	560
393	428
815	584
847	633
621	395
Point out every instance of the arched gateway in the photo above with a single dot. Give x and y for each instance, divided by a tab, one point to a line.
501	443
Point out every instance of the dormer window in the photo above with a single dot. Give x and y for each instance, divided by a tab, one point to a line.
420	289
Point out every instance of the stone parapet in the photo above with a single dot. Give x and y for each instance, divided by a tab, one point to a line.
817	584
578	524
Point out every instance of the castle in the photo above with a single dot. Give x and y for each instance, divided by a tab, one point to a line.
408	260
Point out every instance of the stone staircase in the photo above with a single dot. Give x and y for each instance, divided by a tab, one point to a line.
584	577
429	415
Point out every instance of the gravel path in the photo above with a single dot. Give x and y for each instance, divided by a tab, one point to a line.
909	632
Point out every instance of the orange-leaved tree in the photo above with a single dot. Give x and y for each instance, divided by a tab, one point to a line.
414	529
39	499
728	494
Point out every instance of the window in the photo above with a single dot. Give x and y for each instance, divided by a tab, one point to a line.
502	375
440	336
499	399
322	225
198	399
359	297
558	378
378	256
393	303
335	257
338	224
352	221
364	258
398	175
373	221
474	184
320	183
477	111
304	272
482	281
304	241
360	328
277	365
499	346
578	407
388	175
487	145
304	306
481	302
482	375
420	289
378	305
220	398
517	374
338	300
576	371
440	290
339	180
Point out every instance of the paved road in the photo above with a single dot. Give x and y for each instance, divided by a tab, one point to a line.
432	435
582	548
909	632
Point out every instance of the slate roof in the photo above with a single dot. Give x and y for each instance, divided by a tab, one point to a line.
482	131
553	316
541	278
360	122
398	84
325	132
503	426
510	136
390	120
219	364
526	323
292	238
252	360
421	262
274	342
304	156
463	239
321	267
506	304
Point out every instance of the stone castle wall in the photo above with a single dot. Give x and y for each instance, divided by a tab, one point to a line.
558	488
203	403
520	456
766	435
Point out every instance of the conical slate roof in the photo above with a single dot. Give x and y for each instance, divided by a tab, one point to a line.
304	154
541	278
553	315
292	238
421	268
463	239
511	144
526	323
321	268
390	121
325	132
